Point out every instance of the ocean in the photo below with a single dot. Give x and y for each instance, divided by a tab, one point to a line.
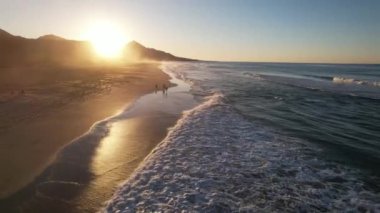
334	106
266	137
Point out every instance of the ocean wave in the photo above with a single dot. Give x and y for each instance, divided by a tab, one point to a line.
342	80
101	129
337	85
253	75
214	160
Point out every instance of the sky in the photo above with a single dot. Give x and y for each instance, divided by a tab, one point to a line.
327	31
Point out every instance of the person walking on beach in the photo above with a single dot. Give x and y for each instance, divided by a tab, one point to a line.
164	89
156	89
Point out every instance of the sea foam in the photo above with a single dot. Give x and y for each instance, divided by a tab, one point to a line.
342	80
214	160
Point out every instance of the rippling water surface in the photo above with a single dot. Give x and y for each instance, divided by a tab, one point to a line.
266	137
333	105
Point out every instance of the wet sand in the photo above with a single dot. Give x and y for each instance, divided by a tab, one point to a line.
39	123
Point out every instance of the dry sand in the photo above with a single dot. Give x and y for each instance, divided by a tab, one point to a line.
34	126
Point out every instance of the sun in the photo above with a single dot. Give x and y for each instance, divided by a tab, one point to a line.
107	39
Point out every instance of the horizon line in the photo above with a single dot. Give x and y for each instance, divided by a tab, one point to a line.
290	62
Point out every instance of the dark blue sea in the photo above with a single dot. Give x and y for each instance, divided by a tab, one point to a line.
336	107
266	137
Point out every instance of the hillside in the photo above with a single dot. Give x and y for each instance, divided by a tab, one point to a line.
53	50
50	37
136	51
18	51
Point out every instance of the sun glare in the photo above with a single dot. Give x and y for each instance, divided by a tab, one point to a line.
107	39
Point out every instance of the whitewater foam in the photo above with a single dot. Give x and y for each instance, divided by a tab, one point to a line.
342	80
215	160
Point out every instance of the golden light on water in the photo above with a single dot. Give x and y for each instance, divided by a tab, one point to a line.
107	39
118	148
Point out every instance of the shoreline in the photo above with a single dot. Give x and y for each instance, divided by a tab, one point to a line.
132	136
54	130
220	157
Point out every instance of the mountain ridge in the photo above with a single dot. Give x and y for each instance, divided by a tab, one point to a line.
146	53
55	50
51	37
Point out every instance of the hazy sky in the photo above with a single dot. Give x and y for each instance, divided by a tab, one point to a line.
344	31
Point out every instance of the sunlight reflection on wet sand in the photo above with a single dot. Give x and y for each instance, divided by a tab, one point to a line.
131	139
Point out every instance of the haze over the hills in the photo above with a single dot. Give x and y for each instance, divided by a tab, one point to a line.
54	50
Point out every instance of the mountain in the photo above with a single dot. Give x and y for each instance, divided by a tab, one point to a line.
4	34
51	50
50	37
136	51
16	51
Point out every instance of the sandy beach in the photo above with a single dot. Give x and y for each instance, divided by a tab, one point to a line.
189	106
38	122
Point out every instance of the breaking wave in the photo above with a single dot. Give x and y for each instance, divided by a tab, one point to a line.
215	160
342	80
